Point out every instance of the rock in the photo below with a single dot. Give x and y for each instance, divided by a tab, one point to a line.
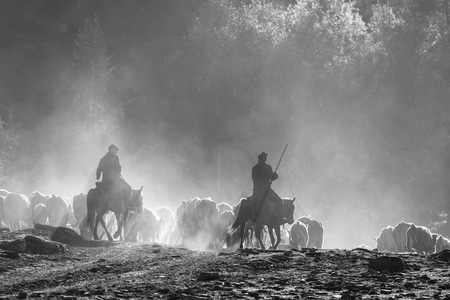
387	263
62	235
38	245
9	254
208	276
18	245
70	237
444	255
248	251
67	236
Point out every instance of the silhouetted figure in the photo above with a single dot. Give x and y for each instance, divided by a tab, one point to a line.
263	175
109	169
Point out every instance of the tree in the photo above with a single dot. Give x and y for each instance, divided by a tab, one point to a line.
10	153
93	64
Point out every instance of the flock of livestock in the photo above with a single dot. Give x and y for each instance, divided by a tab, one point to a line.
196	223
407	237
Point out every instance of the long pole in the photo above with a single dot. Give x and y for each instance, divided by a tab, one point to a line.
282	154
267	190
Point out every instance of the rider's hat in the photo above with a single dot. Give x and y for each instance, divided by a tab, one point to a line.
262	156
112	146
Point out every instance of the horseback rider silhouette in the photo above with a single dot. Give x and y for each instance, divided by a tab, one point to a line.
109	169
263	175
112	194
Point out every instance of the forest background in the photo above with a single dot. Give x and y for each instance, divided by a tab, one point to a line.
192	91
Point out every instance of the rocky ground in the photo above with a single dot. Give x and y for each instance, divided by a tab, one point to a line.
115	270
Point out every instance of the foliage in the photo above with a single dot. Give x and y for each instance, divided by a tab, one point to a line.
10	154
359	87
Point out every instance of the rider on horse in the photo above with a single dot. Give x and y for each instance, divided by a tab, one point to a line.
109	168
263	175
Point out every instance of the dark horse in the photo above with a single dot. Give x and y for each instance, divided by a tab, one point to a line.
248	211
118	201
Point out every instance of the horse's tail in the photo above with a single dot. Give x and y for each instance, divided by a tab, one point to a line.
241	215
90	201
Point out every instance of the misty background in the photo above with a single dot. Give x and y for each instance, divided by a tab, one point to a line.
192	91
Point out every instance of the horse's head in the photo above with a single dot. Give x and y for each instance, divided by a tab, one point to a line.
289	208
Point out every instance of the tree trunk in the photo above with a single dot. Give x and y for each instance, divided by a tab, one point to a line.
447	13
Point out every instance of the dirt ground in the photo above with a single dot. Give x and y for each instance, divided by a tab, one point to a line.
152	271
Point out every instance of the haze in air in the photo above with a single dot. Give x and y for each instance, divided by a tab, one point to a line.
193	91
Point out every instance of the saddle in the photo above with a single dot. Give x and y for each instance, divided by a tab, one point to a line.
108	188
257	205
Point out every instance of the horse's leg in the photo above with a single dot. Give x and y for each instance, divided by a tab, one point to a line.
242	229
252	236
278	233
241	236
249	231
126	230
108	222
94	230
272	238
99	219
106	229
118	233
258	230
265	237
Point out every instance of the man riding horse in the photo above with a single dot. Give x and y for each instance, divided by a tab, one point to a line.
263	175
112	194
109	169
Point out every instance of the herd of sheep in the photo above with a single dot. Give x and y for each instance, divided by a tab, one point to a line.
407	237
195	223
